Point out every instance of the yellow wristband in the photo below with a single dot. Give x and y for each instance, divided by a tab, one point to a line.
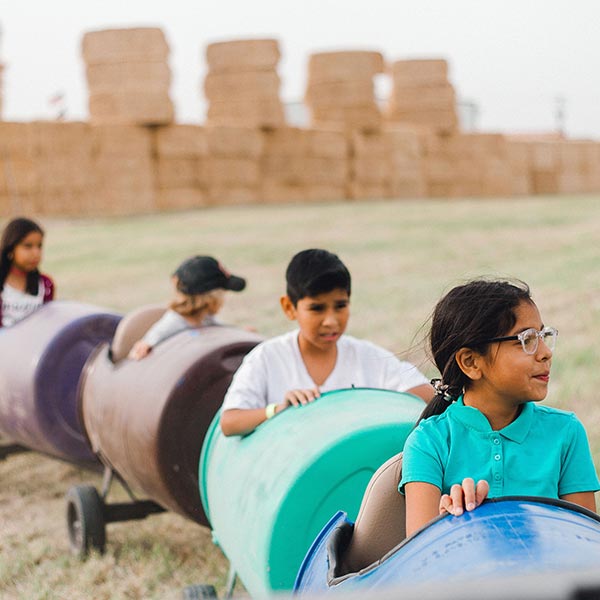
270	410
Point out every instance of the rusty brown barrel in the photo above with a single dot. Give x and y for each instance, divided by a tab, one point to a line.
147	419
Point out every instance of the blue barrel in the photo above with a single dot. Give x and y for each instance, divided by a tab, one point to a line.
268	494
41	361
503	538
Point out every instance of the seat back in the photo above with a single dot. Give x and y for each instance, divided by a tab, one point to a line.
381	521
132	327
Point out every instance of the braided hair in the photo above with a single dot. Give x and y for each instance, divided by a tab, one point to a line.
466	317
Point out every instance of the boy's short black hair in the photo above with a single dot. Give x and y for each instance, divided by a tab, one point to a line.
313	272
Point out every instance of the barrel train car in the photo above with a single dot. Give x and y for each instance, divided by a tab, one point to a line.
70	392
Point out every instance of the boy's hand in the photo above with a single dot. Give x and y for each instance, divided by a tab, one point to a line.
297	397
466	496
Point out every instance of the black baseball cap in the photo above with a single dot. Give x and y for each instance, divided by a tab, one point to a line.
201	274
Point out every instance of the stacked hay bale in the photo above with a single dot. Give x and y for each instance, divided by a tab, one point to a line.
545	167
519	157
592	166
242	84
233	164
18	174
304	165
422	95
63	154
387	164
128	76
180	153
468	165
122	179
340	93
573	167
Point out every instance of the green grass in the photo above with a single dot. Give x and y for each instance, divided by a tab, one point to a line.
402	255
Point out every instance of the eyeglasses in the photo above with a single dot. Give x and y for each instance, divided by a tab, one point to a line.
530	339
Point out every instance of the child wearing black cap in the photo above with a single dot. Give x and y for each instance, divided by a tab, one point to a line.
200	285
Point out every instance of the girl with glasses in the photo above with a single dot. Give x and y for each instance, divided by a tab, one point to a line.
484	433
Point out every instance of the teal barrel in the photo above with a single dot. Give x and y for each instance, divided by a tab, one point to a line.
268	494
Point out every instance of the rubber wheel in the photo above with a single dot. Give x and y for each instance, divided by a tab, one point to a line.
85	520
197	592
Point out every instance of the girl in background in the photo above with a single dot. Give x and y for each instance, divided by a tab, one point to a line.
23	288
485	425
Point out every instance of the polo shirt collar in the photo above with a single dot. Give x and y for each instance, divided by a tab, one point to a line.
475	419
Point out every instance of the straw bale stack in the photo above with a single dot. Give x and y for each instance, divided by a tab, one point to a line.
242	84
18	175
422	95
128	76
592	166
573	174
468	165
122	180
304	165
519	156
63	162
545	167
387	164
180	153
233	164
340	93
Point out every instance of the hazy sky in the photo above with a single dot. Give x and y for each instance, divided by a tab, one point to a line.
512	58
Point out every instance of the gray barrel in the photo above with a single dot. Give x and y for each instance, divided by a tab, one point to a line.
41	360
147	419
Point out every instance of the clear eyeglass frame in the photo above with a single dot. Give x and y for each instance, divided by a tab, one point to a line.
530	339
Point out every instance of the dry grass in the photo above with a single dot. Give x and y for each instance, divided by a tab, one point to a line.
403	256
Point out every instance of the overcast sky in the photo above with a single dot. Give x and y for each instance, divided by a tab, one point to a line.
513	58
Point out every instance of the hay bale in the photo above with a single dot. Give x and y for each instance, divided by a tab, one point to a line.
180	141
243	55
348	65
142	44
235	142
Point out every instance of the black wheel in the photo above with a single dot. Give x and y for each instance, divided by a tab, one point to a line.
85	520
197	592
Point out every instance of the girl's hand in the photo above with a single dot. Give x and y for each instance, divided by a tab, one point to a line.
297	397
466	496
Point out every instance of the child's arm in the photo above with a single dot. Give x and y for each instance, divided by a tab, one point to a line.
422	504
424	501
239	421
424	391
585	499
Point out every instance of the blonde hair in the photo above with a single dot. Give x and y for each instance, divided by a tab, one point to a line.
198	305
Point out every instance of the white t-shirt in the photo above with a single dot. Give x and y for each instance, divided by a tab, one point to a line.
276	366
16	305
170	324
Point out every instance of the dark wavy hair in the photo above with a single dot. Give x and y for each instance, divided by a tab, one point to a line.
13	233
466	317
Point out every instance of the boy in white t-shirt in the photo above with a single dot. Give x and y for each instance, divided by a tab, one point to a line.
294	368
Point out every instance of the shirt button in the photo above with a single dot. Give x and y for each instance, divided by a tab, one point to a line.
496	441
497	457
497	477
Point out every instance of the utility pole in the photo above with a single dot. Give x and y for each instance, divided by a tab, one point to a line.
560	113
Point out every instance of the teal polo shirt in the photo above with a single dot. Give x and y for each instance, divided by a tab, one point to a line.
543	452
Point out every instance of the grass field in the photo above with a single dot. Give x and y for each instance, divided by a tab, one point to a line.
403	256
